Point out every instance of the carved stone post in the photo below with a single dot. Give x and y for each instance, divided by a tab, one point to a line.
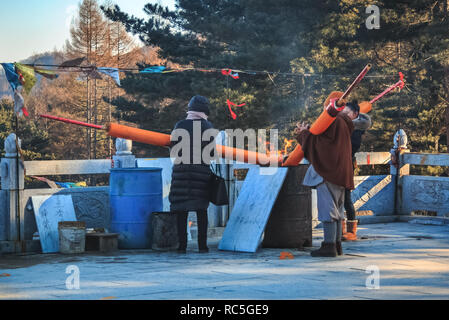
12	183
124	157
397	168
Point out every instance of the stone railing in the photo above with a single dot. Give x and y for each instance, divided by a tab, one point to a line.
387	196
17	222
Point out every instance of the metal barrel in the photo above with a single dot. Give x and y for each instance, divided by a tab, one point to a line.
135	193
72	236
165	231
290	222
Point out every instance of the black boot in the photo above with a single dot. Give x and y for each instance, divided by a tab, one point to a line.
181	219
327	249
339	248
202	231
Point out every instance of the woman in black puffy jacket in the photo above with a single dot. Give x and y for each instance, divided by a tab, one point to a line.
189	189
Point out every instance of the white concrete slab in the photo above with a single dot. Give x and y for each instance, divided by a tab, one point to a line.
48	211
252	209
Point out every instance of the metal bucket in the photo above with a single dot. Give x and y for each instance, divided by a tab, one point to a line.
135	193
290	222
165	231
72	236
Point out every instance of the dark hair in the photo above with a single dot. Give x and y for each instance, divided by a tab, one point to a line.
354	106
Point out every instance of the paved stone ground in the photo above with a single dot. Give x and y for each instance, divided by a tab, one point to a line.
413	262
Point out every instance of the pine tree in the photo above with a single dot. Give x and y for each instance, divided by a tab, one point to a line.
248	35
104	44
327	39
35	139
88	37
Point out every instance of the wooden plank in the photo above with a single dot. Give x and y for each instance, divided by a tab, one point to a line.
426	159
58	167
252	209
370	158
48	211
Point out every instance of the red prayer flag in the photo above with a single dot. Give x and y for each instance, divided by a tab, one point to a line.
226	72
233	115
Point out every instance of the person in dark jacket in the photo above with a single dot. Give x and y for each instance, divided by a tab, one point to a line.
349	226
190	179
331	172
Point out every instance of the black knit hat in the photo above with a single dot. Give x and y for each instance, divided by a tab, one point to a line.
200	104
354	106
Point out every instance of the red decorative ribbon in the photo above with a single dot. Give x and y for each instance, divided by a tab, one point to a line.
228	72
230	103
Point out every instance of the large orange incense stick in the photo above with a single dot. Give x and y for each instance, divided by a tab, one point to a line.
138	135
366	106
163	140
326	118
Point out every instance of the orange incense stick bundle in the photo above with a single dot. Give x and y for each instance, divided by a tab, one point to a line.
138	135
163	140
326	118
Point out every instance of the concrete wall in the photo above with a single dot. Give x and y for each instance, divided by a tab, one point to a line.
375	193
91	205
425	193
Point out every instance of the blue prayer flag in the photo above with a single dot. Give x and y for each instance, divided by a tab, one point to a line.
155	69
11	75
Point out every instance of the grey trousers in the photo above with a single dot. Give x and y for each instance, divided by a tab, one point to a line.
331	199
332	231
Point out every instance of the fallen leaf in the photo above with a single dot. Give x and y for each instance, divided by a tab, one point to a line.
285	255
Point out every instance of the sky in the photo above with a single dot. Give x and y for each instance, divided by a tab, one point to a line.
36	26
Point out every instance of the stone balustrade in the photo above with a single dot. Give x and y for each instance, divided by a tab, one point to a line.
386	195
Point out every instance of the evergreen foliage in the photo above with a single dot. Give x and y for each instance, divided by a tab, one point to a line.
327	39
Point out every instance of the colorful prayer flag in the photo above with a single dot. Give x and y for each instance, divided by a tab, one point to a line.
11	75
72	184
154	69
29	77
19	104
49	74
228	72
111	72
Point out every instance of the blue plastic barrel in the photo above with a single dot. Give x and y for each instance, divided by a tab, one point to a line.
135	193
